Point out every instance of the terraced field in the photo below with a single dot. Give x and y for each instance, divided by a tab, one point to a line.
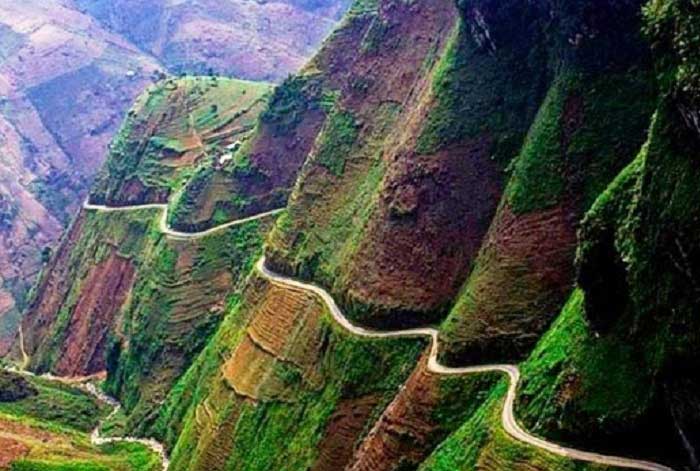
286	330
177	128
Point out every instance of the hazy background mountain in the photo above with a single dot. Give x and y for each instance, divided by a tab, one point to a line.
70	69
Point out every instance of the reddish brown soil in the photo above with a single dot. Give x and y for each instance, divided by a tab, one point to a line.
16	428
409	31
344	428
135	192
284	328
275	319
216	441
51	291
247	368
277	159
102	295
372	83
11	450
524	274
434	209
402	434
432	217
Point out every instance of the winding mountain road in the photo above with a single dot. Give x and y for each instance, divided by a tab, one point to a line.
97	439
510	424
163	225
84	383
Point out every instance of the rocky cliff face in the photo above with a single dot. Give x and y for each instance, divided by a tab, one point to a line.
521	175
590	124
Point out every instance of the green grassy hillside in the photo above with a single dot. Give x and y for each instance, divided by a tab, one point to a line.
48	430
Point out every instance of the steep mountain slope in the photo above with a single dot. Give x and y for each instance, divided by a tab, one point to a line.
116	281
638	260
330	213
589	126
306	389
519	175
69	70
64	84
607	374
363	180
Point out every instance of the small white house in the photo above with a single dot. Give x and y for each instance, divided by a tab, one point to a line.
235	146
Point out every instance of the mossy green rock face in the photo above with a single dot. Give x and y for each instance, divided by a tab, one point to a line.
592	122
673	27
391	205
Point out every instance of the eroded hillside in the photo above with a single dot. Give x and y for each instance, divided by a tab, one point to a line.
245	39
516	178
64	85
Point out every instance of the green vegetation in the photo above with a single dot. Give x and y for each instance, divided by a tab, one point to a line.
53	423
481	443
587	129
257	176
336	141
166	144
279	433
14	387
289	102
232	372
319	258
479	93
590	125
171	132
673	27
174	310
174	306
99	235
62	405
599	382
363	7
112	457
